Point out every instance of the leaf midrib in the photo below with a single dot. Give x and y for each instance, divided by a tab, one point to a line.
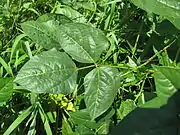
76	43
40	31
40	74
167	5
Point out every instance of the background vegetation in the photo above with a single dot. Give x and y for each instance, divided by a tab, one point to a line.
143	51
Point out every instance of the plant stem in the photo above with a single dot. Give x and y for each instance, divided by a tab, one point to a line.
137	39
150	59
141	89
154	56
86	67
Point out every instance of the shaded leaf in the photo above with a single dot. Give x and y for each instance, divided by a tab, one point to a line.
166	80
106	116
82	117
6	89
104	128
167	8
125	108
157	117
21	117
82	130
45	121
32	128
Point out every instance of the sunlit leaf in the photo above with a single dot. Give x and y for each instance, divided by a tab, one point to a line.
101	86
84	43
50	72
42	33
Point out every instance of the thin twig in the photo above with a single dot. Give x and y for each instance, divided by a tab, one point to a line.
154	56
150	59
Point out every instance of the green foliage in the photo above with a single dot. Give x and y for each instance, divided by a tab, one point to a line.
41	33
166	80
6	89
18	120
51	72
161	112
170	9
101	86
79	67
84	43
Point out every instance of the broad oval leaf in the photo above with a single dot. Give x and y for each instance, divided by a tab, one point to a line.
84	43
167	8
51	72
101	86
42	33
6	89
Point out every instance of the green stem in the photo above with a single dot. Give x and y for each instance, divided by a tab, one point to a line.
86	67
137	39
154	56
150	59
141	89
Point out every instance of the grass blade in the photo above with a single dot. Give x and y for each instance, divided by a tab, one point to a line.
15	45
32	130
6	67
45	121
18	120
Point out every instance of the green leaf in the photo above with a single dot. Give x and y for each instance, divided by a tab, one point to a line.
18	120
32	128
163	58
86	5
82	130
66	128
101	86
42	33
15	45
6	89
104	128
45	120
175	21
125	108
169	9
106	116
61	19
71	13
51	72
166	80
157	117
6	66
84	43
82	117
